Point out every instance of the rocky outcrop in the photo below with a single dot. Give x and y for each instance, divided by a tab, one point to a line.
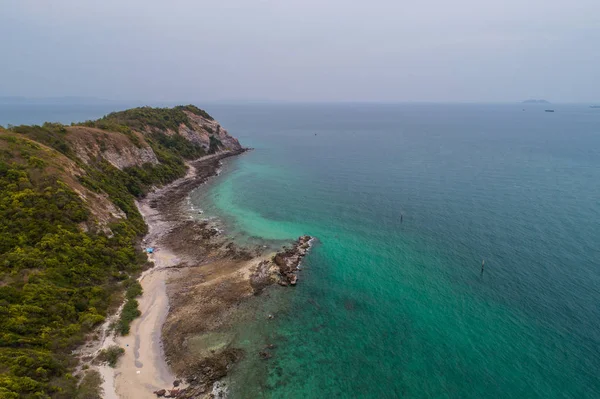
203	129
288	260
262	277
118	149
130	156
282	268
202	375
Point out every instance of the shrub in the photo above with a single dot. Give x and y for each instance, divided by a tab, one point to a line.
110	355
129	313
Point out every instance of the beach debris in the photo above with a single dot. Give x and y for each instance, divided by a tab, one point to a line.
150	250
271	316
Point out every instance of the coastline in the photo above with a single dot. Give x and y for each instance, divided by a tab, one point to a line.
181	345
143	369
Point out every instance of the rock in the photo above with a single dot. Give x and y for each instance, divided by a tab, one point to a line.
280	260
176	383
264	355
261	278
288	260
160	393
174	392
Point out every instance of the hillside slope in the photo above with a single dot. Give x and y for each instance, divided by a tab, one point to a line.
70	230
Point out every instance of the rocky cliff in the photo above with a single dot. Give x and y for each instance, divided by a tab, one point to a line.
203	129
136	129
117	148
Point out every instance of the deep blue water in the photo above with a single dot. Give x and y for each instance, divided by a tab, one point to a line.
388	309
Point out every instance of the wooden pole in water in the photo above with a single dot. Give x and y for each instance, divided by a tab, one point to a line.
482	265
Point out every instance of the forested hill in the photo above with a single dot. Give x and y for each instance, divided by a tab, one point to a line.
70	230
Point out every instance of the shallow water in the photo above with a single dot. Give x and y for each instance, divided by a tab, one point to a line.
387	308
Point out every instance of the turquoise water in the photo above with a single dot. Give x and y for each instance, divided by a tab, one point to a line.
387	309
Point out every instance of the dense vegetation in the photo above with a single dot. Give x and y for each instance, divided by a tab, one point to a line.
139	118
60	272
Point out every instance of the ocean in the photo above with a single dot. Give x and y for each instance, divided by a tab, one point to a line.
406	201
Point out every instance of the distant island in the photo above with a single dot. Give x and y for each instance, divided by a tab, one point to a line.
533	101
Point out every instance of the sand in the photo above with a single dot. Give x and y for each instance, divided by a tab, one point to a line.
142	369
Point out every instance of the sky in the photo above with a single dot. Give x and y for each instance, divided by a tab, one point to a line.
302	50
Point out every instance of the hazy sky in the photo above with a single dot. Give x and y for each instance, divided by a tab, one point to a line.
302	50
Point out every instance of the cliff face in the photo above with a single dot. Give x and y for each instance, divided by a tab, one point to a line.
70	229
116	148
203	128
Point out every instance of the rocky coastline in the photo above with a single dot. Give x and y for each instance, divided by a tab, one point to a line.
206	284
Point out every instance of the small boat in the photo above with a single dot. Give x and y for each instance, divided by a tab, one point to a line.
594	106
549	110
